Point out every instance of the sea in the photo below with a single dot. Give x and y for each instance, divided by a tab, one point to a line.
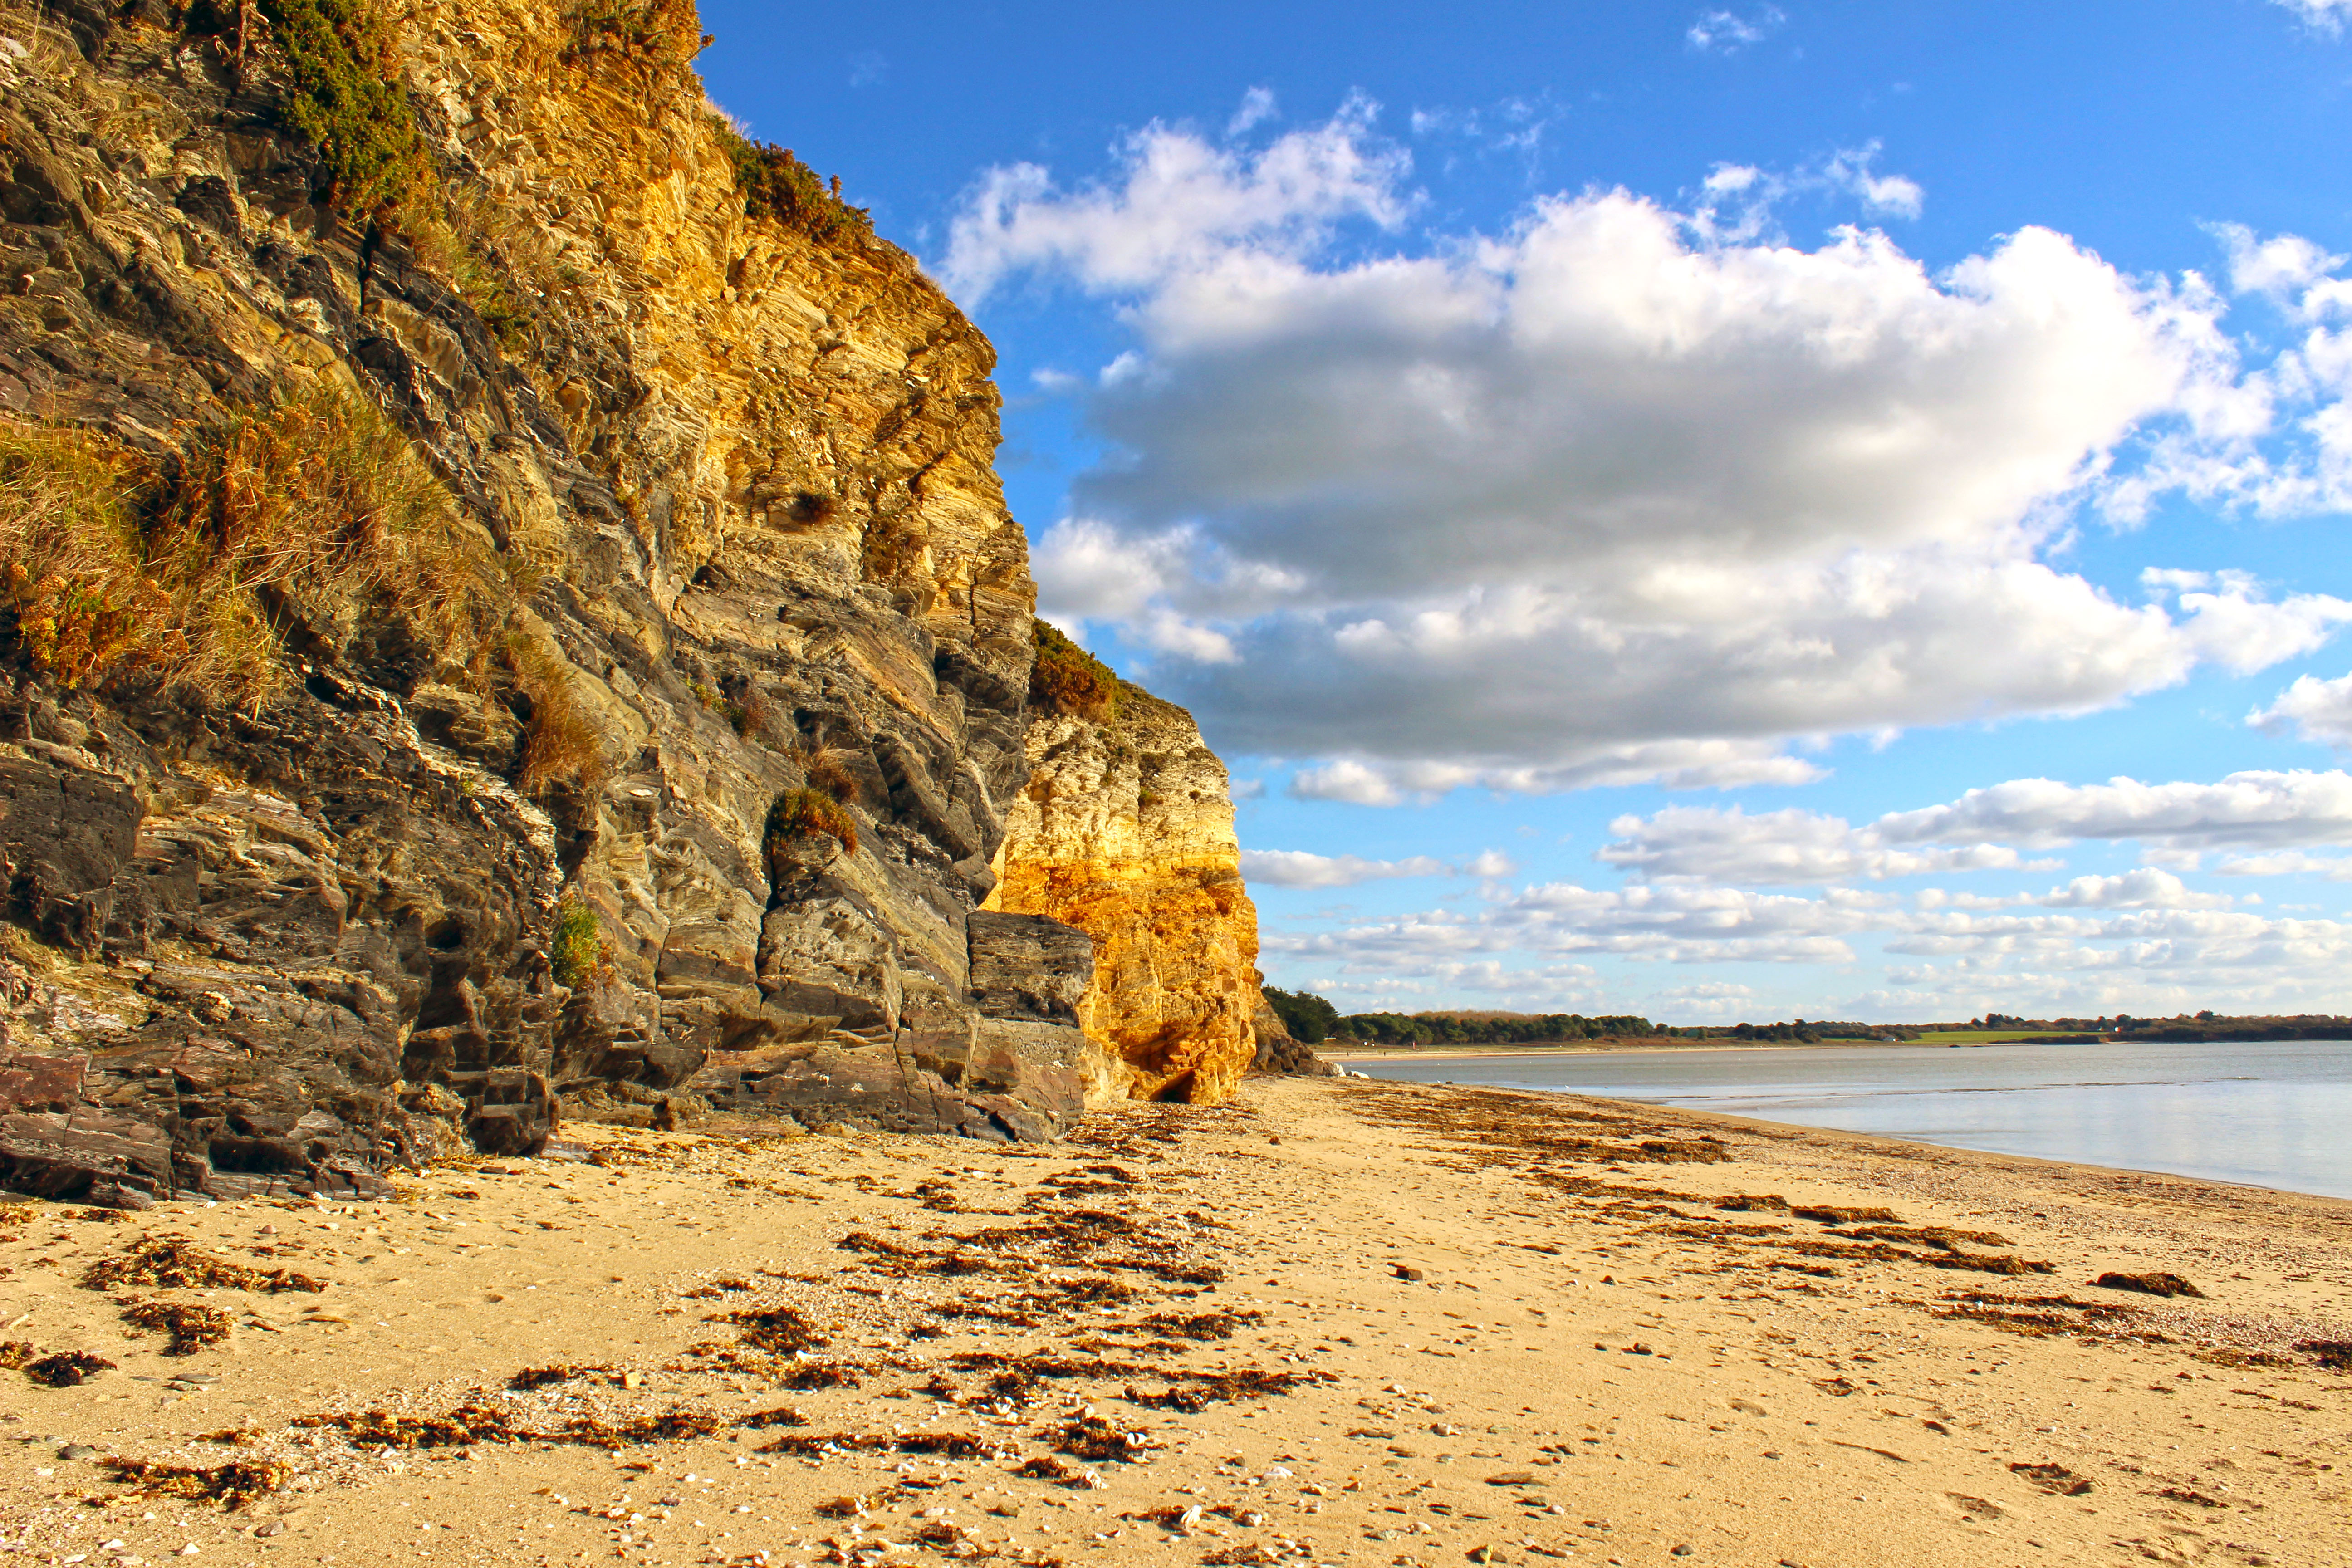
2266	1114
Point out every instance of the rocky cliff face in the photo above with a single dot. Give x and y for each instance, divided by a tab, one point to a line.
682	791
1126	831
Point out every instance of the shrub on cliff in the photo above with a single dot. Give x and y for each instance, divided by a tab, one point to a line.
802	814
777	185
1066	678
307	514
343	91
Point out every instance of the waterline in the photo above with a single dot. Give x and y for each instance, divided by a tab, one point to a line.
2268	1114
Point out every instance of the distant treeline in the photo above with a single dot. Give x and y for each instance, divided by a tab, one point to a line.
1806	1032
1310	1018
1313	1019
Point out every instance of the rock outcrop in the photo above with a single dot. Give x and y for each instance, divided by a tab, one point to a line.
1126	832
683	791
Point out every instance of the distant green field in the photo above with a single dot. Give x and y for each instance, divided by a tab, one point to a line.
1988	1037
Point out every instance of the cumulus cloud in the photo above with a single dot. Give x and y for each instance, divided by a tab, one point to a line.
2243	811
1181	207
1984	830
2285	863
1304	869
1719	31
1672	924
2313	710
1703	844
2135	941
2279	266
2147	888
1624	493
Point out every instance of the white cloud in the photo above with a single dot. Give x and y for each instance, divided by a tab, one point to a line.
2325	15
1703	844
2144	889
2277	265
2244	810
1489	863
1894	196
1301	868
2315	710
1673	924
1180	206
1622	494
1725	32
1304	869
1257	107
2285	863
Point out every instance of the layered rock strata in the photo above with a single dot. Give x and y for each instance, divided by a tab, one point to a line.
1126	831
744	544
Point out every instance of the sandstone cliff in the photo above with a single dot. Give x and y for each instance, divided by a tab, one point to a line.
1126	831
655	752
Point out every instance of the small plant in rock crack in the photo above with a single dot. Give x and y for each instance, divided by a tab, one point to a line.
799	815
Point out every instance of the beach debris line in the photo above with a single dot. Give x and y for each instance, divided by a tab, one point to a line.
191	1325
233	1485
66	1369
175	1262
2149	1284
2055	1479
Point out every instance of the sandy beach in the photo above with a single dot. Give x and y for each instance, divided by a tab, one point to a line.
1336	1321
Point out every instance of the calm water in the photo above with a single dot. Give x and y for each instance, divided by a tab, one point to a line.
2272	1115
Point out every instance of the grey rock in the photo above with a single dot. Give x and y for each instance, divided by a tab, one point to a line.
1027	966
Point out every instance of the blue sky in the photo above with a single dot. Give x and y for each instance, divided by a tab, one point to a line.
1714	511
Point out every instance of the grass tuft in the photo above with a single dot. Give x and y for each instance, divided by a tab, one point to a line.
559	739
575	948
807	813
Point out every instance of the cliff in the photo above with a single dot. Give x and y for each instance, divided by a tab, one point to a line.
1126	831
508	613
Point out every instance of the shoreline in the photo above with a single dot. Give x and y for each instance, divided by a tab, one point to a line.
1355	1322
1465	1053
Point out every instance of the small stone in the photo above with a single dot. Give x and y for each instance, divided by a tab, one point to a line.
1682	1551
77	1451
1407	1271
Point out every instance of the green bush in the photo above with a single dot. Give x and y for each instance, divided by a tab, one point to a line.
346	97
1066	678
573	949
1307	1017
777	185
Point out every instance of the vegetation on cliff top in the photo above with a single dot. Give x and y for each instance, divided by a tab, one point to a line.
1066	678
186	569
777	185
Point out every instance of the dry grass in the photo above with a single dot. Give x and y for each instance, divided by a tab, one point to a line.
559	739
804	813
289	523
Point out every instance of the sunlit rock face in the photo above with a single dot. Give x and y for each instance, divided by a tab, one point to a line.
1126	831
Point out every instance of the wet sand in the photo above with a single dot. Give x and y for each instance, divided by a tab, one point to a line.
1339	1322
